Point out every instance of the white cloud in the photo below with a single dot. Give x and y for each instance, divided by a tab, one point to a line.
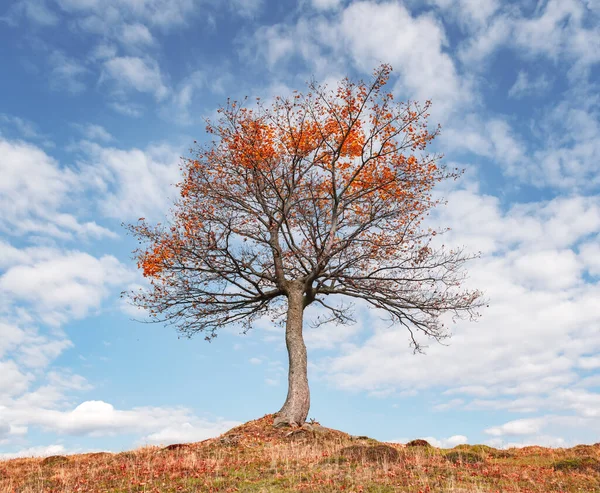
523	86
36	11
449	442
99	418
557	30
326	4
366	34
543	317
128	109
186	432
39	451
246	8
13	380
68	285
416	51
95	132
26	128
517	427
96	14
589	254
66	72
33	192
133	183
143	75
494	138
136	35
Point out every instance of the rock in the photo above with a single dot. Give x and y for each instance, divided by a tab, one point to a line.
418	443
177	446
55	460
375	453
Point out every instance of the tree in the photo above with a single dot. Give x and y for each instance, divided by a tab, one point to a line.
313	197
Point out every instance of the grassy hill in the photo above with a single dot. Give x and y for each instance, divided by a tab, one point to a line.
255	457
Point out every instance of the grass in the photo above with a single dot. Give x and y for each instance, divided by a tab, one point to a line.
256	458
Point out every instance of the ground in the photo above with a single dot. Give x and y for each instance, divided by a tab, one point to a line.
255	457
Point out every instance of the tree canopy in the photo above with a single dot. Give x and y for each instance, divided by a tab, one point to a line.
311	196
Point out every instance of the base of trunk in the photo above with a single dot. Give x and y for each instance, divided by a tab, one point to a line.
293	414
286	421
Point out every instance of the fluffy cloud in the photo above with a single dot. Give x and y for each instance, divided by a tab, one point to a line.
134	182
195	431
517	427
325	4
560	29
142	75
64	286
34	192
365	34
159	425
39	451
524	353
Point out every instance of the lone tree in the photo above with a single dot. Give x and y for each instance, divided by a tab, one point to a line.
293	203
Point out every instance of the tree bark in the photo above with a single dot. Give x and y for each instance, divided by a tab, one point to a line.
296	406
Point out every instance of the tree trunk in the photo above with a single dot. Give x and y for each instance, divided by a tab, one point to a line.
296	406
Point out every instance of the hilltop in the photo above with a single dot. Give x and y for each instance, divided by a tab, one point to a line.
255	457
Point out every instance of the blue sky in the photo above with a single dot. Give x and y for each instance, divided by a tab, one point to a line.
100	98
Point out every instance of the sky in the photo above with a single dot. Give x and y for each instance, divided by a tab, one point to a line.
99	99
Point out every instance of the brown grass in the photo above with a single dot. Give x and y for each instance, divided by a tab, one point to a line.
255	457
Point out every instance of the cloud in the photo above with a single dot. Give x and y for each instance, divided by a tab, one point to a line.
523	86
246	8
99	418
35	190
449	442
13	380
39	451
136	35
94	132
517	427
60	285
142	75
558	30
100	14
26	128
66	73
186	432
128	109
325	4
36	11
524	353
133	183
366	34
494	138
471	15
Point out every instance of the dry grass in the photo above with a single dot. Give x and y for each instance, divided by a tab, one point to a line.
255	457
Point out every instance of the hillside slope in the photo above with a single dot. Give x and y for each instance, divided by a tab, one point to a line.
255	457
